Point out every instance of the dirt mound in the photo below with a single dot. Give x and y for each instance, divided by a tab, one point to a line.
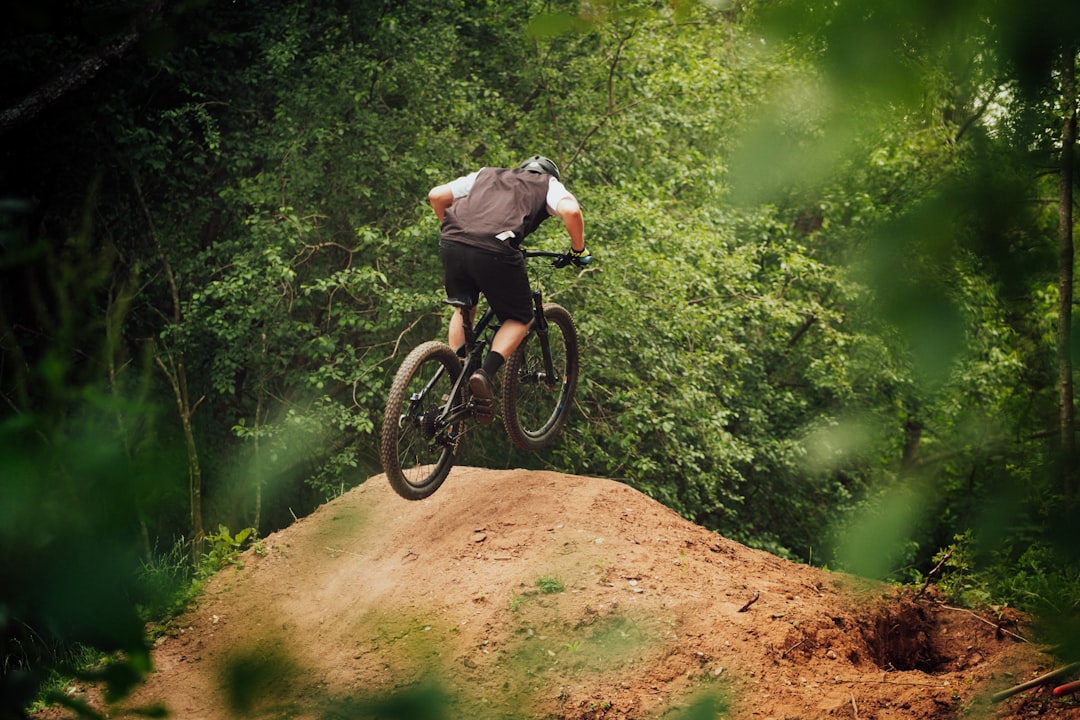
540	595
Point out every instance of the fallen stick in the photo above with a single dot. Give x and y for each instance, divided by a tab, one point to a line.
784	654
980	618
750	602
1041	680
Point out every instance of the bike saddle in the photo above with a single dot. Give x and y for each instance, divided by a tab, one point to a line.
460	302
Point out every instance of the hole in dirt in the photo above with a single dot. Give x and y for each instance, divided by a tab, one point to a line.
904	635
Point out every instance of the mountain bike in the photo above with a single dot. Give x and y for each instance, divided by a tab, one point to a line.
430	406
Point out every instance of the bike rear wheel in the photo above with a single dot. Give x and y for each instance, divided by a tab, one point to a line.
536	406
418	453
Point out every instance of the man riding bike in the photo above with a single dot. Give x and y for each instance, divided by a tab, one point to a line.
485	216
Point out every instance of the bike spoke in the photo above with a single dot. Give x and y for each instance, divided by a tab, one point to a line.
417	449
534	408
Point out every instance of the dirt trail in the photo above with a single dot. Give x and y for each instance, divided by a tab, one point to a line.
457	597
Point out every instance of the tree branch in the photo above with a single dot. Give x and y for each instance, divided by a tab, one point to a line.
75	76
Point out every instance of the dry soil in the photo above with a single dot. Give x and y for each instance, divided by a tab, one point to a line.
523	594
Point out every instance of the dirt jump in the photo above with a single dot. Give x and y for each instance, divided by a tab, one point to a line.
528	594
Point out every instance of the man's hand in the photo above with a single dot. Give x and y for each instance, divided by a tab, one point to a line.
580	257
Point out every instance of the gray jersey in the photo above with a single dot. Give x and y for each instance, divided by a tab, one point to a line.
501	207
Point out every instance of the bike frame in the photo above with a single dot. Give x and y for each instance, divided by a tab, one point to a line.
476	343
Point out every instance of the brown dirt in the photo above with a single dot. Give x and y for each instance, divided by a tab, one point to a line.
373	595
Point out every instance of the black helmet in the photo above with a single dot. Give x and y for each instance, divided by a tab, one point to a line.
540	164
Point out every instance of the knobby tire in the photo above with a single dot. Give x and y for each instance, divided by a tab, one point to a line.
416	455
536	407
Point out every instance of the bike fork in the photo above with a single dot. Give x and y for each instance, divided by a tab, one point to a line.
540	325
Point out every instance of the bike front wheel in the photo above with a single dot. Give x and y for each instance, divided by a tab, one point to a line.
536	404
418	450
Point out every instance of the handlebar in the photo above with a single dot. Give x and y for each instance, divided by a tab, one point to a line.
562	259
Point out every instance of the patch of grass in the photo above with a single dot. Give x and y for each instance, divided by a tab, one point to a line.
166	583
64	662
549	585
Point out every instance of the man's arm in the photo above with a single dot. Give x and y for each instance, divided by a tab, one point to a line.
441	197
570	212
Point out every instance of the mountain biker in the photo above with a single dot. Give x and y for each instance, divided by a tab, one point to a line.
485	215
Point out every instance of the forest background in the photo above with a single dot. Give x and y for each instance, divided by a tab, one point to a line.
830	314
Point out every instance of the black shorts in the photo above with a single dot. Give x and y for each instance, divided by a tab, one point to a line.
501	277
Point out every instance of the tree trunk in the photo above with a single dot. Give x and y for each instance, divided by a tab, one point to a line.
116	309
257	464
177	376
1067	423
912	437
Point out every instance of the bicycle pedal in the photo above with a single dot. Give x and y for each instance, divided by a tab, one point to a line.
484	410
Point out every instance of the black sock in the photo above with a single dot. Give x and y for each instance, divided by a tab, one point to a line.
492	363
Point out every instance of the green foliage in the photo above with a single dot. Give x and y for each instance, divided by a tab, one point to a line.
549	585
822	311
706	706
963	269
166	580
67	578
84	470
225	548
959	581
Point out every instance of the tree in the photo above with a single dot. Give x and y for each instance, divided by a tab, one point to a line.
987	70
1066	264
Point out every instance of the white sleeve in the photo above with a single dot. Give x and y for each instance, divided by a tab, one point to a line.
463	185
556	192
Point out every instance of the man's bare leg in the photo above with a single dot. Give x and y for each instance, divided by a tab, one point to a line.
505	342
509	336
456	335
